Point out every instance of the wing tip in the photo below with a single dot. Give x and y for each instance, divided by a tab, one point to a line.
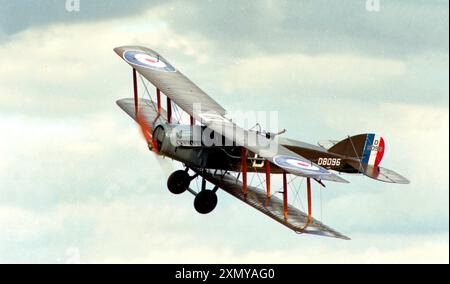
322	233
119	50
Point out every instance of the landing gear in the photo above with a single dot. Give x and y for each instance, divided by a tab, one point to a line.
205	201
178	182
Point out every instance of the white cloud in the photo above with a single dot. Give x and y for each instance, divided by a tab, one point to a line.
64	69
302	71
416	146
138	230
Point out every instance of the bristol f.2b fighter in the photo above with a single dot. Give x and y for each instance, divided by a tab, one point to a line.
214	149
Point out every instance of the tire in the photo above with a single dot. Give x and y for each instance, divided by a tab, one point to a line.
178	182
205	201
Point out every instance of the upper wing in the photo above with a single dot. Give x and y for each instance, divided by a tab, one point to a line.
165	77
198	104
272	207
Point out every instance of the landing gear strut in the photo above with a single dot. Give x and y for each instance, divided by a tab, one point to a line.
205	201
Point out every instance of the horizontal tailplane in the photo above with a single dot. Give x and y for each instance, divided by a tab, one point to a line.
385	175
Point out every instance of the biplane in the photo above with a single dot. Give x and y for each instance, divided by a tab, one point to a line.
212	148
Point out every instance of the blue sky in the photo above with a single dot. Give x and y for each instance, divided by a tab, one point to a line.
77	183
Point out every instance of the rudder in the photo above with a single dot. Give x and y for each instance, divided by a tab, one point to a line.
369	148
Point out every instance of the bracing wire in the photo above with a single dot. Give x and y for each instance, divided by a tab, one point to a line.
251	180
148	93
261	182
297	196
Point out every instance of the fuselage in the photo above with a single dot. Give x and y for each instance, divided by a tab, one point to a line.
187	144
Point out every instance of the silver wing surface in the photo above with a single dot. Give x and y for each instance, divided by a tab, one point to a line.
385	175
147	109
272	207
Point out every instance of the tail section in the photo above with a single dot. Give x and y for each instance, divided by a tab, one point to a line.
368	148
366	151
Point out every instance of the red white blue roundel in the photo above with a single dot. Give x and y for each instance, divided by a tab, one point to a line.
146	60
293	163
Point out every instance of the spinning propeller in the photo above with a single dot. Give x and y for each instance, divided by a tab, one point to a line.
147	132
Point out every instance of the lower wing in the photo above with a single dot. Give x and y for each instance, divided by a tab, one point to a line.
272	207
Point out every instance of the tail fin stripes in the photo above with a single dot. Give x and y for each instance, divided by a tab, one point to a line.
373	150
369	148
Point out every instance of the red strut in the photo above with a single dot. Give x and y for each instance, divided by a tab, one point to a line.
169	110
244	169
135	89
285	196
308	184
158	100
267	164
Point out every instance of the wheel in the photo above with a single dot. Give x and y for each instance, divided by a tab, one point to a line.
205	201
178	182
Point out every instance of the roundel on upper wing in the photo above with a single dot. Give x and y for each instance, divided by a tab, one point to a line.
296	164
142	59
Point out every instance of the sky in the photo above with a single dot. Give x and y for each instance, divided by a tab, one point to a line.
78	184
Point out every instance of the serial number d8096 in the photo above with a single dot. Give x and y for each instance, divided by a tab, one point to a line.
329	162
